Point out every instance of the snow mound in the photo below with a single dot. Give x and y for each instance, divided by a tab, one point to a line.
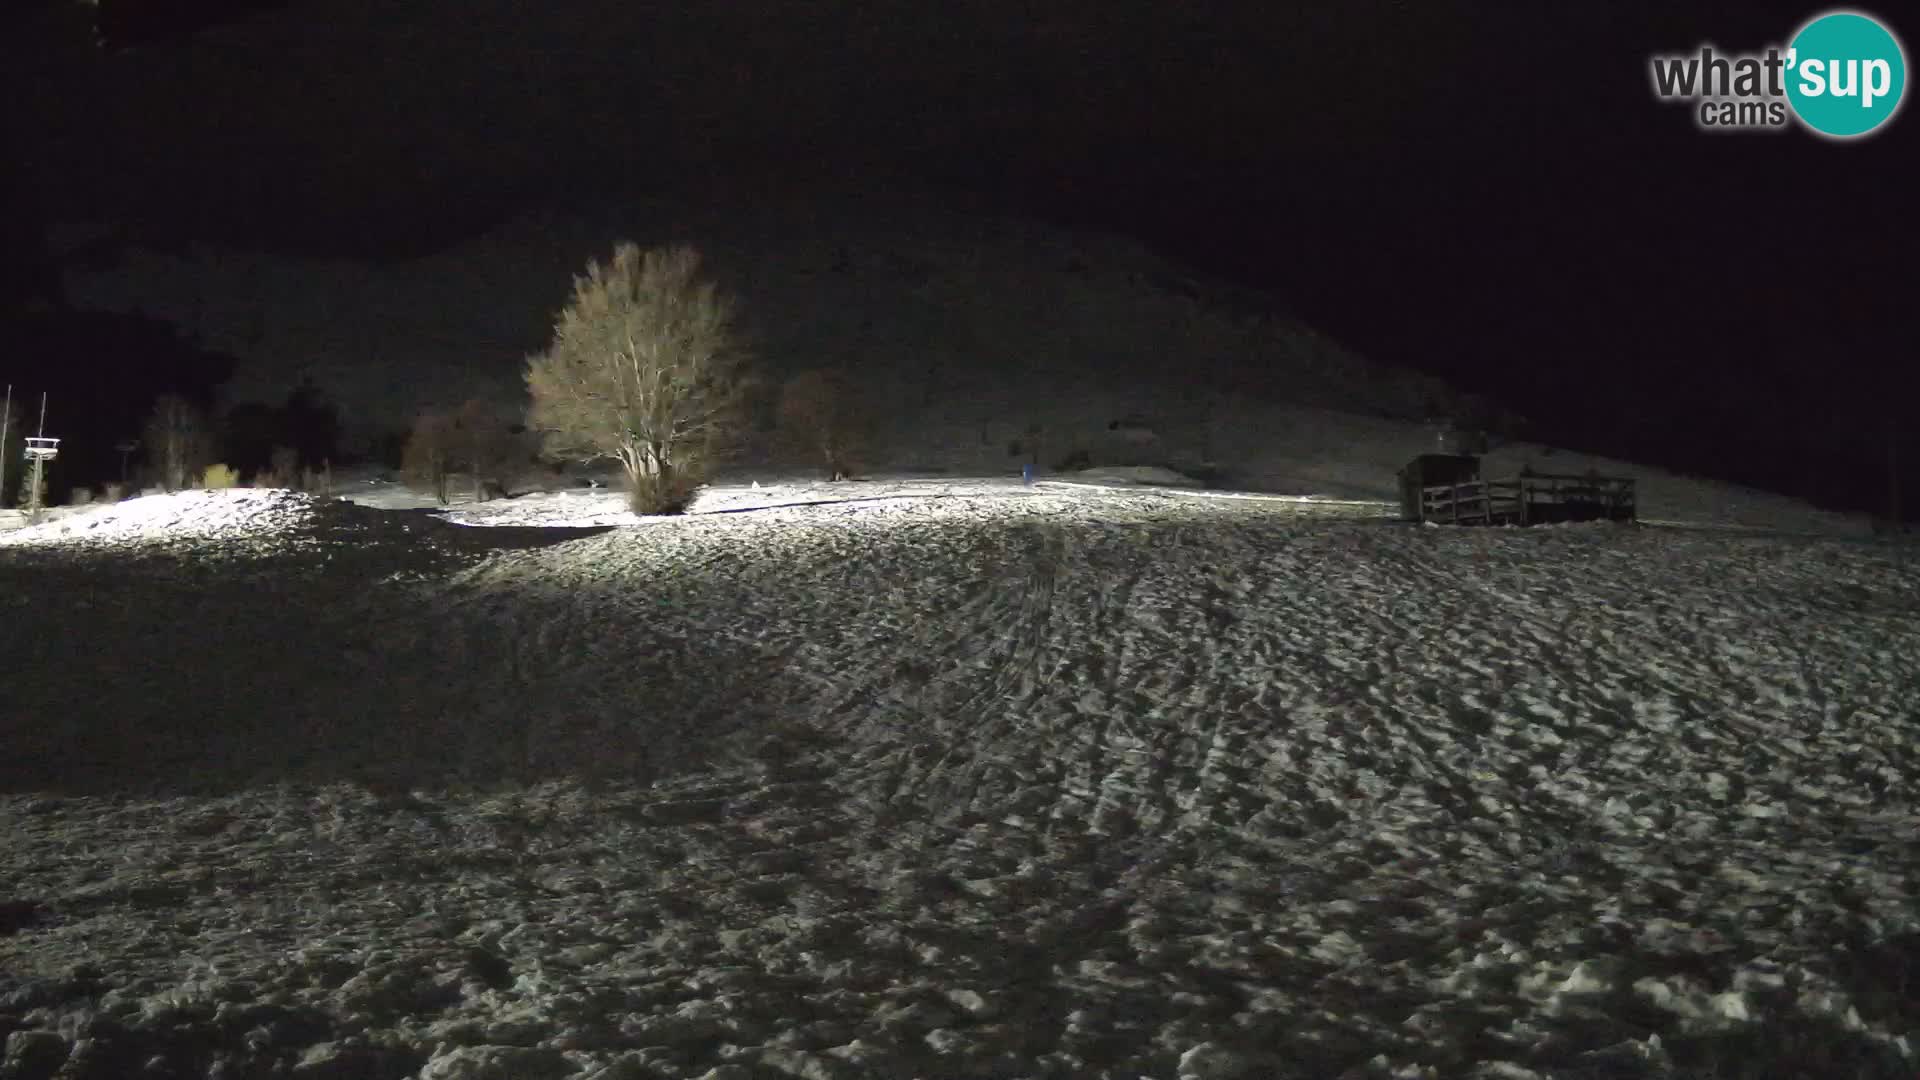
235	514
244	524
595	508
1145	475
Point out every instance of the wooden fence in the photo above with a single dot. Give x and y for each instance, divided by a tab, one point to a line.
1530	499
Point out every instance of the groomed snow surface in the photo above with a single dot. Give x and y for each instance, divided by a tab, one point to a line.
942	779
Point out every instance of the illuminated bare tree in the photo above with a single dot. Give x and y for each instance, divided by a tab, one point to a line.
821	415
427	459
645	368
487	447
178	442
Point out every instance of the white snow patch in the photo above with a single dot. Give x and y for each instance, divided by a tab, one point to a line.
211	516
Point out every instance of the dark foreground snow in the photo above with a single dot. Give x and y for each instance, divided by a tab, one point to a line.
975	782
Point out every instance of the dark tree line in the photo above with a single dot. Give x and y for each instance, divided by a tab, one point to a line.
306	422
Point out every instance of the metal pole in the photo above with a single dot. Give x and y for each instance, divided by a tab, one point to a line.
39	463
6	414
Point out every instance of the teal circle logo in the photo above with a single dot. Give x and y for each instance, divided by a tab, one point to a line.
1846	74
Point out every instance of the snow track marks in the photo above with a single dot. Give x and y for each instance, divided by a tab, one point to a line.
1050	786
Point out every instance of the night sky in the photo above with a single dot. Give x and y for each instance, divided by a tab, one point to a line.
1488	192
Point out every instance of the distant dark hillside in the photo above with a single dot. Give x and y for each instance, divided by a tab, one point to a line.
1495	201
930	303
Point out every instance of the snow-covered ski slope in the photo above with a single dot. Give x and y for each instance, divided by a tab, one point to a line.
952	779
